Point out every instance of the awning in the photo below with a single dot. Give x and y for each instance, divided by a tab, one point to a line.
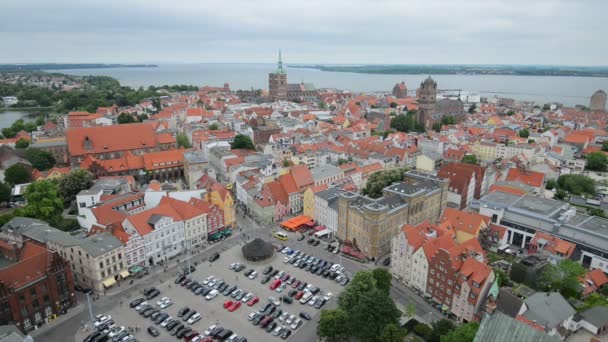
124	274
109	282
296	222
319	228
310	223
135	269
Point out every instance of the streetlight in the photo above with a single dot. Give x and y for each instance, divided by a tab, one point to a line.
90	310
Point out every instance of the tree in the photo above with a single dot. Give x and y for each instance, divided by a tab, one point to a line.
510	112
371	314
551	184
423	331
472	108
392	333
440	328
605	146
383	280
362	283
41	160
157	104
564	277
8	133
22	143
596	212
576	184
560	194
380	180
530	141
406	122
469	159
182	141
410	310
464	333
16	174
448	120
285	162
214	127
333	325
125	118
43	201
437	127
74	182
524	133
597	161
5	192
242	141
393	104
342	161
142	117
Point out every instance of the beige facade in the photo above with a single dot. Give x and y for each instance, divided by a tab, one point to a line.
372	224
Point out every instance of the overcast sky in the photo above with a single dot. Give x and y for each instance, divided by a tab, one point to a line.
570	32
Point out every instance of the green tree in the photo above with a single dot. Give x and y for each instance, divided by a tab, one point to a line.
371	314
524	133
597	161
322	105
393	104
551	184
464	333
142	117
342	161
448	120
380	180
576	184
596	212
74	182
22	143
423	331
406	123
510	112
17	174
242	141
564	277
214	127
437	127
392	333
157	104
383	280
440	328
605	146
182	141
41	160
125	118
472	108
361	285
410	310
5	192
469	159
43	202
560	195
8	133
333	325
285	162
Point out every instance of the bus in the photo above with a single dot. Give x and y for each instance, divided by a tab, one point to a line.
279	235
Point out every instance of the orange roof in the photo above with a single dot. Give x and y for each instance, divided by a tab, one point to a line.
278	192
576	138
104	139
431	246
186	210
32	265
163	159
295	222
288	184
302	176
165	138
527	177
507	189
468	222
318	188
140	221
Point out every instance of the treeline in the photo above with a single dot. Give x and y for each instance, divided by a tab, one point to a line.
53	66
98	91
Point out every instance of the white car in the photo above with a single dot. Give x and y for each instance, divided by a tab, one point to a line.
285	250
281	288
234	265
212	295
141	305
277	330
279	275
274	301
209	330
284	316
253	275
313	301
197	338
165	302
195	318
160	301
308	287
117	330
290	319
252	315
286	259
334	267
167	321
328	296
247	297
296	324
232	338
209	278
102	319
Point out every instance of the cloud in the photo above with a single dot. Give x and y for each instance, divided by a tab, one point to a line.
312	31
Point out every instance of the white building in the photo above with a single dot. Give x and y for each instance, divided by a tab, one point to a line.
326	209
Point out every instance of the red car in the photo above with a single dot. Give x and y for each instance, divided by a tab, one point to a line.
299	295
276	283
296	284
234	306
253	300
192	336
227	304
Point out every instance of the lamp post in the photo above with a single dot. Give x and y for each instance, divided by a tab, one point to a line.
90	310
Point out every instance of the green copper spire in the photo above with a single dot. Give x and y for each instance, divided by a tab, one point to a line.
280	69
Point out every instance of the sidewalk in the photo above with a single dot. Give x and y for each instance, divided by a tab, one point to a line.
60	319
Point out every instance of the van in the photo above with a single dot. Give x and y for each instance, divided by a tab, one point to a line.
305	298
280	235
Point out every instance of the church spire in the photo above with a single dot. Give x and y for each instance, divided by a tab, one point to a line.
280	69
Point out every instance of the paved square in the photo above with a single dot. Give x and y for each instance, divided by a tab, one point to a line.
213	312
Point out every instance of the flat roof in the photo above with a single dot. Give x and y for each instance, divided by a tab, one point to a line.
538	205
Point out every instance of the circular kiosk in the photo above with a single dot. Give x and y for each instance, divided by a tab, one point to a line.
258	250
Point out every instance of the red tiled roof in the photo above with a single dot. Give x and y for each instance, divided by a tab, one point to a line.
507	189
32	265
140	220
527	177
106	139
288	184
465	221
302	176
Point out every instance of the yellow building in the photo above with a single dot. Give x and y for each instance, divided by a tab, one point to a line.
484	151
467	225
309	200
425	163
54	173
221	197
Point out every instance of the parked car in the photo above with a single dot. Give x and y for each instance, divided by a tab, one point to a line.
305	315
253	300
214	257
153	331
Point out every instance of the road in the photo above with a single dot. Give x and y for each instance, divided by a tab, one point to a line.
65	329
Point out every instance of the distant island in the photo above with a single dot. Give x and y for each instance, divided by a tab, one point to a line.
517	70
56	66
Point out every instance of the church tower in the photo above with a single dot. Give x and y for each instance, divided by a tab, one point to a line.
277	82
426	102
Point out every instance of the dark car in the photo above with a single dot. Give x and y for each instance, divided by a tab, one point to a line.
248	272
172	325
333	275
183	332
319	271
326	273
274	273
205	291
152	294
92	336
301	237
316	243
303	264
285	333
215	332
155	314
136	302
229	290
266	307
185	282
153	331
310	241
223	336
302	286
266	279
183	311
271	327
188	315
267	270
223	287
386	262
144	308
305	315
120	336
192	269
192	284
293	260
149	290
161	318
180	278
258	319
177	328
314	290
149	313
287	300
214	257
319	304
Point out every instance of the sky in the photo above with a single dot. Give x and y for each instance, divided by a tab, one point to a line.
557	32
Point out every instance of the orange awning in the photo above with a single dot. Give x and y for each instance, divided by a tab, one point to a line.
296	222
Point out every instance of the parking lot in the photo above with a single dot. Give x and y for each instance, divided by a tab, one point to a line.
212	311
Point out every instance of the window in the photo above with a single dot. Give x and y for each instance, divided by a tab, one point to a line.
37	317
48	311
21	298
101	264
33	292
476	284
27	324
473	295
